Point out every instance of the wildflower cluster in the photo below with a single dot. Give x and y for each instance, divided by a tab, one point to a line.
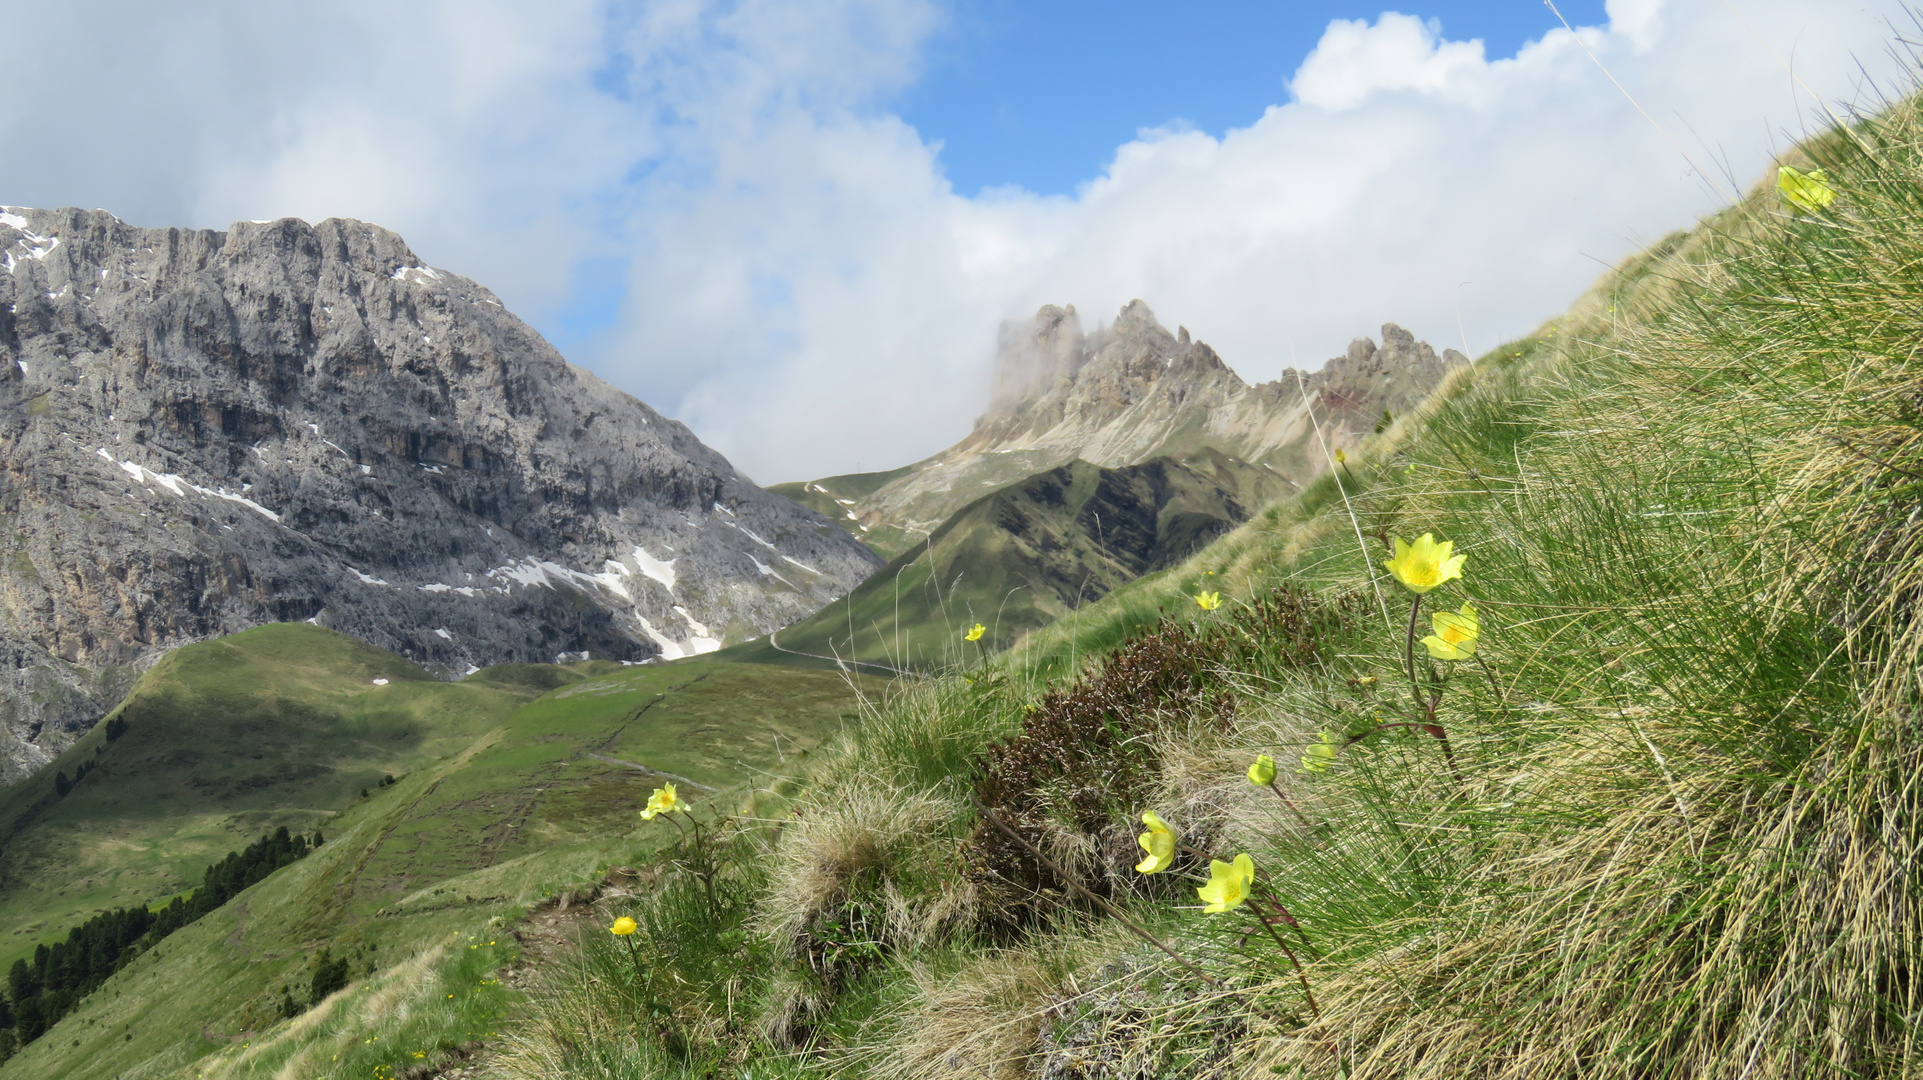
1420	567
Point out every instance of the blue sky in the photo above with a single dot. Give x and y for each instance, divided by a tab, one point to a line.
796	225
1039	95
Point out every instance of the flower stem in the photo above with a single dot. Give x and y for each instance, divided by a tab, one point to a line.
1442	736
1409	652
1275	901
1493	684
634	957
1290	803
1436	730
1300	975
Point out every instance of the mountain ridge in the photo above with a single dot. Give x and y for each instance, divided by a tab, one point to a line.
1023	555
208	430
1124	394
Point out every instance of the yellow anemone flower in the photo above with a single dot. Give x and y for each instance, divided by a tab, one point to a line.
622	927
1807	191
663	801
1159	842
1320	753
1425	564
1228	883
1340	457
1208	601
975	632
1262	773
1456	634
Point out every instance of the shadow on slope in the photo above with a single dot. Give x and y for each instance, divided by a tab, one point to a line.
1023	556
517	777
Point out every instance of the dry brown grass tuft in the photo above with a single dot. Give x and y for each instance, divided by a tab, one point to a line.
984	1021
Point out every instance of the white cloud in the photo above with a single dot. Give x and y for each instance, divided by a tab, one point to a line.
1399	52
862	292
804	288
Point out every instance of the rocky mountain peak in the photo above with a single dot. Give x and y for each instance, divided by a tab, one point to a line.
1031	357
1130	391
204	430
1047	372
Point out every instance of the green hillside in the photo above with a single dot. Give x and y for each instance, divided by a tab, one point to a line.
1024	555
518	778
1655	824
281	725
833	495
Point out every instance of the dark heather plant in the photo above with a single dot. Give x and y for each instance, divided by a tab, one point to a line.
1085	759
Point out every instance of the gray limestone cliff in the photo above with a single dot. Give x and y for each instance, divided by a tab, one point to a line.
1130	392
202	431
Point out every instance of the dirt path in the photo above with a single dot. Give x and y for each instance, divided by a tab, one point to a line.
549	931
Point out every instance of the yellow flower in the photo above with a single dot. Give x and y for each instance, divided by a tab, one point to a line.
1456	634
1228	883
1340	457
1808	191
1320	753
1208	601
1262	773
1159	842
663	801
622	927
975	632
1425	564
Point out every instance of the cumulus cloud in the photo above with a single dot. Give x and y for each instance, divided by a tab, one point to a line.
1407	178
801	284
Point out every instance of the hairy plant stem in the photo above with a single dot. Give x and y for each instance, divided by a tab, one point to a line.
1290	803
1409	653
1426	706
1300	975
1494	686
698	862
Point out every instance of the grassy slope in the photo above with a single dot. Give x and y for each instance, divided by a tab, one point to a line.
281	725
1666	844
498	797
827	496
1024	555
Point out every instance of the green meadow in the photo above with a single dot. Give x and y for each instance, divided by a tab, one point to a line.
1655	824
514	782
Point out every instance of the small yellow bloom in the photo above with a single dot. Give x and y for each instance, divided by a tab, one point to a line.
1807	191
663	801
975	632
1456	634
1159	842
1228	883
1208	601
1320	753
1340	457
1425	564
1262	773
622	927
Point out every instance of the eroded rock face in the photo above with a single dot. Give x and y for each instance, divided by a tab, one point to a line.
202	431
1132	391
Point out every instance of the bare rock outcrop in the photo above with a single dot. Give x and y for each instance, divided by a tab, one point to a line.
1132	391
201	431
